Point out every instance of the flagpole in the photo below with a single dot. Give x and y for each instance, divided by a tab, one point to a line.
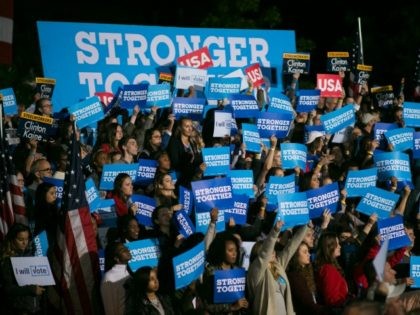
359	22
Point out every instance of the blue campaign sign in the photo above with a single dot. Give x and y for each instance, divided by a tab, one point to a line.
251	137
244	106
186	199
107	212
189	266
338	119
415	270
401	138
146	171
279	186
59	185
145	207
293	155
159	95
110	171
378	201
221	88
212	193
217	160
242	182
277	124
379	130
239	210
102	57
358	182
229	285
9	102
392	229
322	198
293	210
202	221
308	100
183	221
393	164
92	195
188	106
40	242
87	112
280	104
132	95
416	144
411	114
143	253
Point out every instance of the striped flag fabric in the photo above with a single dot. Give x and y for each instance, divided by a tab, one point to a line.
12	205
75	262
6	31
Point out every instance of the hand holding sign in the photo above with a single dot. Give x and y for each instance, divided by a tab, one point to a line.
279	224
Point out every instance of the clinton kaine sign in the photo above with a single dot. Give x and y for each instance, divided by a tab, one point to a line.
87	58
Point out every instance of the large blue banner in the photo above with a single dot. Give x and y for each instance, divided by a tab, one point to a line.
102	57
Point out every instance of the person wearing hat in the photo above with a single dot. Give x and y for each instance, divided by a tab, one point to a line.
315	145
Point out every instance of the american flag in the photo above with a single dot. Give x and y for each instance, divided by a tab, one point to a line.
75	261
11	196
6	31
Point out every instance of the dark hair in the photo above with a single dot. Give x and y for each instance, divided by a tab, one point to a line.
111	251
122	225
118	184
141	279
155	214
8	247
217	250
326	246
40	193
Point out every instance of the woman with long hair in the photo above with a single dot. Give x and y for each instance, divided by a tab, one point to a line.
164	192
302	283
46	211
123	190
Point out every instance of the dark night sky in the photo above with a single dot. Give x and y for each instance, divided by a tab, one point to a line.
391	39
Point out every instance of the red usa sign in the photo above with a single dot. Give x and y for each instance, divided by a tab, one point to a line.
329	84
199	58
254	73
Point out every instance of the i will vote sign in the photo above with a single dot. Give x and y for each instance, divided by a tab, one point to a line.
307	100
392	229
145	207
358	182
32	270
184	224
415	271
224	125
199	58
110	171
401	138
322	198
244	106
134	94
158	95
293	210
189	266
188	106
87	112
338	119
186	77
278	185
378	201
293	155
393	164
329	85
217	160
143	253
229	285
251	137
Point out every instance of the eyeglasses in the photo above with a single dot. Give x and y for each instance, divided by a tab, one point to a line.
46	170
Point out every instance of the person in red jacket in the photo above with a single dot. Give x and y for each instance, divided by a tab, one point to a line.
123	190
331	282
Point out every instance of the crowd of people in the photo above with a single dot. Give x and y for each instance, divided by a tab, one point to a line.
323	267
